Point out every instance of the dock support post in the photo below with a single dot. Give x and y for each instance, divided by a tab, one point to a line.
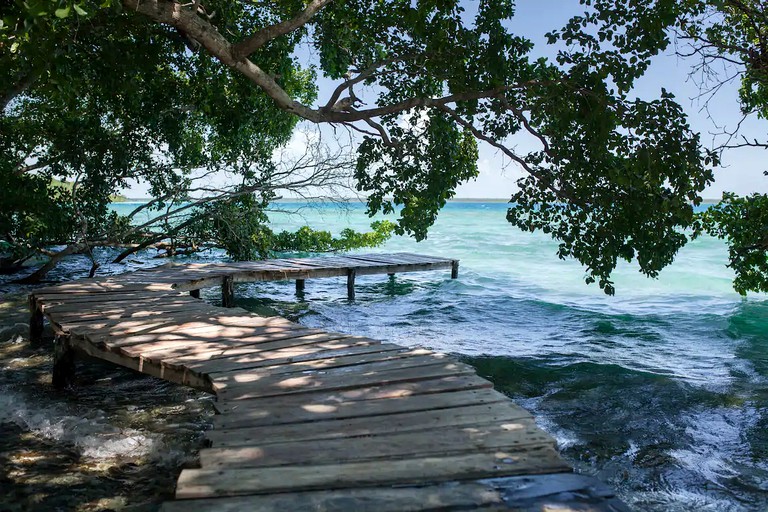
228	292
454	269
300	286
63	362
35	322
195	293
351	273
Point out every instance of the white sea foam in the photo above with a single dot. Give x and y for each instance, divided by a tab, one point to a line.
92	434
717	442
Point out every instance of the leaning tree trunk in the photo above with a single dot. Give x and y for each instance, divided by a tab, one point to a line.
39	274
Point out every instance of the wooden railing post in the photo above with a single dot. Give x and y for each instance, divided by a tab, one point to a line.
351	273
300	286
454	269
228	292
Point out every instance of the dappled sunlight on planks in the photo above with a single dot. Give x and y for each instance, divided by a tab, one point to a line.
306	416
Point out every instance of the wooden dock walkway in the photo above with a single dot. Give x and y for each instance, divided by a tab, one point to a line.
310	419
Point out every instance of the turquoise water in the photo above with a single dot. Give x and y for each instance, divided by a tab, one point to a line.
661	390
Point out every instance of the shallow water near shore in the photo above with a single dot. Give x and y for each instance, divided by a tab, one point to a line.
661	391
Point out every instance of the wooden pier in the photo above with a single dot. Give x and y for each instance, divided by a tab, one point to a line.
310	419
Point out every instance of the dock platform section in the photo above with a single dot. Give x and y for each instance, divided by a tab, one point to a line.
310	419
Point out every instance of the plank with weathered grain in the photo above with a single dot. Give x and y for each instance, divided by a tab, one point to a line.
220	322
358	365
107	306
373	392
212	334
512	436
376	392
148	342
201	483
202	347
308	357
231	358
318	423
89	315
286	385
454	496
45	300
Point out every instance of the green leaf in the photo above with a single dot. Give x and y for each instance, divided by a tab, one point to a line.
79	10
63	12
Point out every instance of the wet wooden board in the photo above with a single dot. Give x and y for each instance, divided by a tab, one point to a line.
307	417
451	497
199	483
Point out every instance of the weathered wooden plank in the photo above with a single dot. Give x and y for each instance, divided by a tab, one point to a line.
388	445
430	385
75	287
243	356
315	263
266	412
117	305
285	385
200	483
358	365
447	498
403	259
399	269
198	348
214	343
87	315
70	298
303	359
277	426
219	321
380	259
410	256
181	315
398	390
209	333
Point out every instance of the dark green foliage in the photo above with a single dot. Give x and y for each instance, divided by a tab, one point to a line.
305	239
743	223
101	94
733	35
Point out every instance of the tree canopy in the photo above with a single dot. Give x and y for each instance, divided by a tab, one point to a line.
105	91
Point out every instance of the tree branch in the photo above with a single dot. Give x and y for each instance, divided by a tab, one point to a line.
22	84
249	45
